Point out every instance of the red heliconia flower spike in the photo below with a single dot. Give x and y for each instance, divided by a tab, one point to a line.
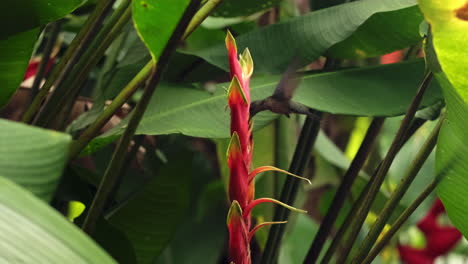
239	252
234	64
240	118
239	156
239	189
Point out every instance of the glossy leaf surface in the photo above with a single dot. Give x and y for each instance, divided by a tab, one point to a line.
193	112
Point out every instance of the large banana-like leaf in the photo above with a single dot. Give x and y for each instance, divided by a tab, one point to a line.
376	91
367	27
32	157
33	232
449	25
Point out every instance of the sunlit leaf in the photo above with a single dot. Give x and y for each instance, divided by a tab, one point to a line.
449	25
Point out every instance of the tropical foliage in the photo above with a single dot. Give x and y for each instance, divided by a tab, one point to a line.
161	131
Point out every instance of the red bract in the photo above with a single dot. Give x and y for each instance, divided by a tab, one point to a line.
239	252
439	239
239	155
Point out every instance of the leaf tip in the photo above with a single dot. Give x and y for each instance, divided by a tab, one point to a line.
234	146
235	211
231	43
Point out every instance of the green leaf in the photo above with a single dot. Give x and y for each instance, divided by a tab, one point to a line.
297	242
24	15
156	20
310	36
33	232
152	216
15	52
234	8
32	157
115	243
192	112
449	25
210	230
381	33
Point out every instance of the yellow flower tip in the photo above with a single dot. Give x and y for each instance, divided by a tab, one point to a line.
246	63
235	211
235	90
231	43
234	145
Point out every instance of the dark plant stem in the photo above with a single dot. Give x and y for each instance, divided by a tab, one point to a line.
417	122
282	150
343	190
71	83
53	30
93	130
379	177
138	141
346	223
73	53
397	195
399	222
114	169
300	159
127	92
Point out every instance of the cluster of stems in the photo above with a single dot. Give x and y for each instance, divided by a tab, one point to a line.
239	155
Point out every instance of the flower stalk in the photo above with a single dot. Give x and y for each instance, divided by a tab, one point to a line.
239	156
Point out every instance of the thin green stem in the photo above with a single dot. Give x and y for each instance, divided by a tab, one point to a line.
300	159
73	53
397	195
78	75
52	32
93	130
343	190
399	222
114	169
346	223
374	188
